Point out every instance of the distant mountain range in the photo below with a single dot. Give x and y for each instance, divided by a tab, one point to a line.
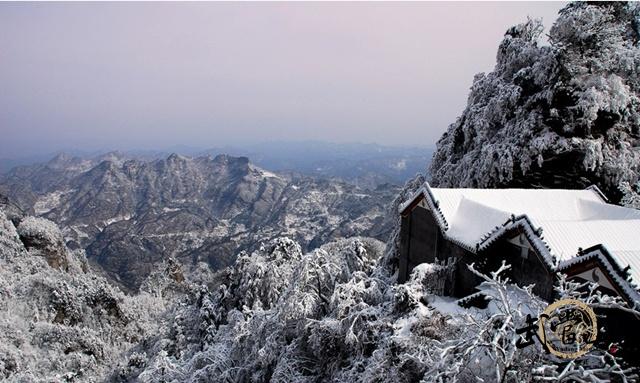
366	165
130	214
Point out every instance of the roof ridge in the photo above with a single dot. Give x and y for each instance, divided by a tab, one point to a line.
598	192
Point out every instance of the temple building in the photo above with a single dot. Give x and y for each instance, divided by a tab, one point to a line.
537	231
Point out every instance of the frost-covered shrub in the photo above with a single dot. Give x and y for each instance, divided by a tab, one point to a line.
261	319
260	278
166	281
338	320
630	195
163	369
62	324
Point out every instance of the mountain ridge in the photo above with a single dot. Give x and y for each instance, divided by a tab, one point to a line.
129	214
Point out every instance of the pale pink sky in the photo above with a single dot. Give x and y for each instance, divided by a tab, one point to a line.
148	75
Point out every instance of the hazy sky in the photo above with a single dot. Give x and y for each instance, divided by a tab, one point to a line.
152	75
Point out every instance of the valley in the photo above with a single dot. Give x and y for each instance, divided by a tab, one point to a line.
129	214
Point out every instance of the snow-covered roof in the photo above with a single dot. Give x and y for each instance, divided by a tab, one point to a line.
569	220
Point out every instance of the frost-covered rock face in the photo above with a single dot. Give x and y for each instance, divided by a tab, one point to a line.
42	237
564	115
13	213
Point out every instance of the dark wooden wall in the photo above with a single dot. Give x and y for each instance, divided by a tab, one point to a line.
421	241
418	239
525	271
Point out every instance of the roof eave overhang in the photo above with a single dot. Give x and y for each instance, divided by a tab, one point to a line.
609	265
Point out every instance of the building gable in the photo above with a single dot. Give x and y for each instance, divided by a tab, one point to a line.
477	220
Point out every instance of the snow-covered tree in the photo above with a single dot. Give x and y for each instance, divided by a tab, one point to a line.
342	318
630	195
562	115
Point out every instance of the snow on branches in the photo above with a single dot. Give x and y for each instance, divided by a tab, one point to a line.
553	115
339	318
